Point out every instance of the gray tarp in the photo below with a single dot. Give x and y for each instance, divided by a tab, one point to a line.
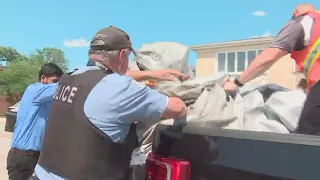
268	108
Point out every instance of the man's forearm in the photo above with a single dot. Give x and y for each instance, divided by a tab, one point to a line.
45	93
255	69
138	75
261	64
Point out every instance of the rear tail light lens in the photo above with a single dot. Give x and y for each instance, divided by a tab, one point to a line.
166	168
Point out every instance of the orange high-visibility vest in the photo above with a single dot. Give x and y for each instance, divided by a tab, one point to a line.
308	59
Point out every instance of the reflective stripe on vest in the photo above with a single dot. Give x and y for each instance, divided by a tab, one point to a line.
311	57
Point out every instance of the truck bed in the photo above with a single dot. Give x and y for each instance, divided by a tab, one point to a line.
240	155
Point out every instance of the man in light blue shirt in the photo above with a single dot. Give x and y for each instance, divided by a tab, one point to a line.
31	120
112	103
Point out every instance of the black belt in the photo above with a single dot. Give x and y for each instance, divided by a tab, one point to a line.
26	152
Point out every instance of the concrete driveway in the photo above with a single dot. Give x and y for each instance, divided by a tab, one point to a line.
5	140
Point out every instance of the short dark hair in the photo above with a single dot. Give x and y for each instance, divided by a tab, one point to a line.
49	70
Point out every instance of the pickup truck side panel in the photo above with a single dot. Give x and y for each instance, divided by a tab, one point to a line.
241	155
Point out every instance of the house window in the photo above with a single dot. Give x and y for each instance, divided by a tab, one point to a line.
221	62
231	61
234	62
241	61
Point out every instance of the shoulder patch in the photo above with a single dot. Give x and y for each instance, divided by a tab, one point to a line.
140	84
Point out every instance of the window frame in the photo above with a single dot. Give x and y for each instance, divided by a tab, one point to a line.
236	72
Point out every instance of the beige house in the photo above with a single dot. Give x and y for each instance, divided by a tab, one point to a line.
234	57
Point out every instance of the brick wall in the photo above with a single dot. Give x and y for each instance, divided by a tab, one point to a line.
4	104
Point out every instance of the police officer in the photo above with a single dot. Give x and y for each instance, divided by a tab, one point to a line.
300	36
91	127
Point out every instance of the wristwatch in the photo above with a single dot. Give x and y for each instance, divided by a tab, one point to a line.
238	83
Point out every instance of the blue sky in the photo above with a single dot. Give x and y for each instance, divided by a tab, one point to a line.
27	25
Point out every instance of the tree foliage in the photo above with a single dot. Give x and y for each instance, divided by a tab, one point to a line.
16	77
53	55
8	54
21	70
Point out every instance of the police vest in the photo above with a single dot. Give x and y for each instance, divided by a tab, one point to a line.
308	59
73	147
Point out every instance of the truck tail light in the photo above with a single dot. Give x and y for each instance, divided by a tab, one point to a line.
166	168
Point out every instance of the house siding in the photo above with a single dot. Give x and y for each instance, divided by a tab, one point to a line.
281	73
206	64
4	104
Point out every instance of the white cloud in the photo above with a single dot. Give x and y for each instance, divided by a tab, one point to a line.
81	42
265	34
260	13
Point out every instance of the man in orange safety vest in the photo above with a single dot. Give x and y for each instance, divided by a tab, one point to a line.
301	37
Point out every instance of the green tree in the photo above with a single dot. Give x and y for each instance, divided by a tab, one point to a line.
23	70
16	77
8	54
53	55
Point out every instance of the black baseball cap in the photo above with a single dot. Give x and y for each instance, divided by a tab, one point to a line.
113	38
